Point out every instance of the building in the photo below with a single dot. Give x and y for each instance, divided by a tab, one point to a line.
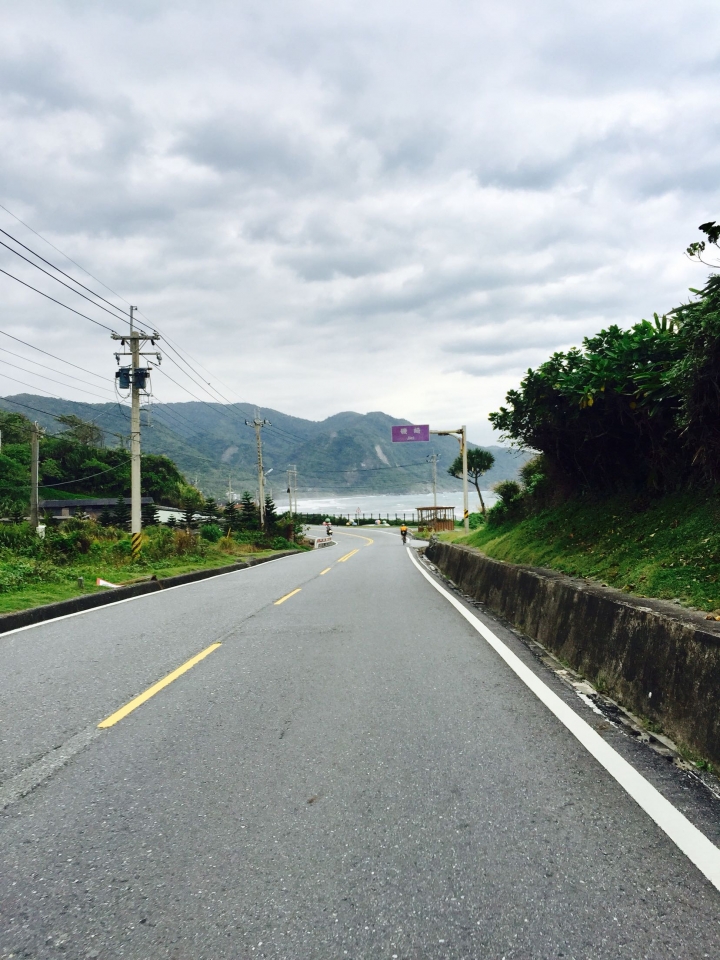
91	507
436	518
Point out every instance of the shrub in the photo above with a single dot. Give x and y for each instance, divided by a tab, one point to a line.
211	532
476	520
509	505
280	543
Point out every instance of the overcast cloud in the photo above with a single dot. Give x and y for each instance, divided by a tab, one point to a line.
377	205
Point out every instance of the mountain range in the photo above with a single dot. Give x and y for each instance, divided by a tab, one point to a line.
216	450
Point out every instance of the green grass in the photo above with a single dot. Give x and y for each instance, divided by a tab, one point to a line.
667	548
35	594
34	572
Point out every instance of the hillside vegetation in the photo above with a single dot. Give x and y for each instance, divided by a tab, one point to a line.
211	445
624	488
666	547
71	466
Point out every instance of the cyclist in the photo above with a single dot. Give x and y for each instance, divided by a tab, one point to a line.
403	533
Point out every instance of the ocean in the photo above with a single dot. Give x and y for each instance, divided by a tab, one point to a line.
391	505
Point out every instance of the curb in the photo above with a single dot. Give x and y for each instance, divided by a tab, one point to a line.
49	611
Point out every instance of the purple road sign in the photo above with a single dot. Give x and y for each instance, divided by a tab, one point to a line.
415	431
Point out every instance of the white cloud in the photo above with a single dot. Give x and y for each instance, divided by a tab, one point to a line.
342	206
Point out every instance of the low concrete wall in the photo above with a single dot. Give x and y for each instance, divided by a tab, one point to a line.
660	661
87	601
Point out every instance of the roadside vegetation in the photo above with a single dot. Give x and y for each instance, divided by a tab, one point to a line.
76	551
36	570
625	487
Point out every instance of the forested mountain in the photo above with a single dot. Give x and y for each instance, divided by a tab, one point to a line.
213	447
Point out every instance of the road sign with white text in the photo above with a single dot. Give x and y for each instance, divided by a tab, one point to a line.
410	433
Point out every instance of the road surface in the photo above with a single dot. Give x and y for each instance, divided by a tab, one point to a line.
349	770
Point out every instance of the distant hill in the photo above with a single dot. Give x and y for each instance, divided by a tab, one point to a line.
213	447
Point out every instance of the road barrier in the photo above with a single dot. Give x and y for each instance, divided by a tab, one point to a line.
659	660
318	542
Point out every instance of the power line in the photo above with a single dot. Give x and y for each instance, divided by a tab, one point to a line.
65	483
63	254
47	295
28	407
38	267
46	367
50	379
59	359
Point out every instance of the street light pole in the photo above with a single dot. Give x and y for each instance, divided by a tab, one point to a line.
461	436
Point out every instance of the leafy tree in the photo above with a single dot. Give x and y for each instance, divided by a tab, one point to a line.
479	461
82	431
604	416
15	427
15	472
121	514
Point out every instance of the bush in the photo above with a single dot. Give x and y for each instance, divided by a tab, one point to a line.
280	543
211	532
476	520
509	505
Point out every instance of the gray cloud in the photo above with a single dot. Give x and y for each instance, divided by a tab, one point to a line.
310	198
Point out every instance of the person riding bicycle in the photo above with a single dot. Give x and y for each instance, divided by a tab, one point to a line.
403	533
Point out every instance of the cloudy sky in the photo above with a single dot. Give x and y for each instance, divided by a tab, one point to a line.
371	206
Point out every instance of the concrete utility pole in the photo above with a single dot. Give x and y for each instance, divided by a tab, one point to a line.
461	436
135	378
258	423
433	459
34	474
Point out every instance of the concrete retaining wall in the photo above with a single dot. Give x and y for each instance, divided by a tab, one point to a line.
660	661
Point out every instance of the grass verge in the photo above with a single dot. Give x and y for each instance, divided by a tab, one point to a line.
668	548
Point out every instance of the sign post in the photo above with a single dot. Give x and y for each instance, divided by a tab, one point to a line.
414	432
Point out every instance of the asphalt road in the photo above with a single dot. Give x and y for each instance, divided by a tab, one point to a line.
353	772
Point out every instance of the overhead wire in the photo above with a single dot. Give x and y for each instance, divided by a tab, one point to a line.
58	280
60	270
52	355
45	367
47	296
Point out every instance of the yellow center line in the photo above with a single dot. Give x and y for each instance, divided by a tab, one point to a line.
348	555
326	570
156	687
287	596
356	535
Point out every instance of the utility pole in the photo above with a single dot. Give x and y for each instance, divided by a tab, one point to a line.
135	378
433	459
461	436
34	474
258	423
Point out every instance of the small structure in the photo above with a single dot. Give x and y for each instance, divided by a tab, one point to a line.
436	518
91	507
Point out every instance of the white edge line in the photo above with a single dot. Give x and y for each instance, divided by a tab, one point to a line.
142	596
694	844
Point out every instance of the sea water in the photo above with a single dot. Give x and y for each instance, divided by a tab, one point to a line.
392	505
